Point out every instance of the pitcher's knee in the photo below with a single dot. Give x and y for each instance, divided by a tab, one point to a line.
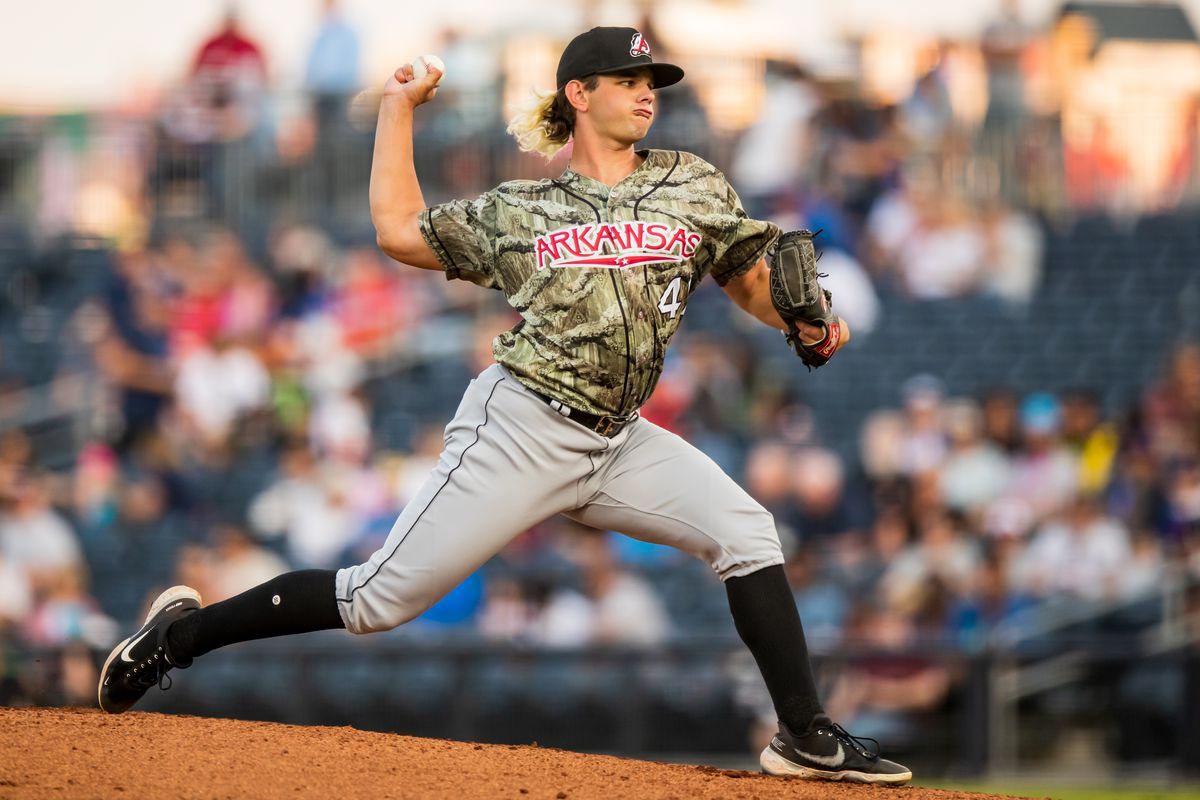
755	547
367	612
369	606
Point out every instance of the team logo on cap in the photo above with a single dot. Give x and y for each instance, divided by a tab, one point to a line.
639	46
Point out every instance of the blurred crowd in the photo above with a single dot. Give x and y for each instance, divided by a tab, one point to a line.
273	390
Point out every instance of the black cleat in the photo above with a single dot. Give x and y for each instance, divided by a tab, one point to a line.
828	753
141	661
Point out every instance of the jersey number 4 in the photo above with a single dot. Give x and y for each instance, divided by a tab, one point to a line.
669	303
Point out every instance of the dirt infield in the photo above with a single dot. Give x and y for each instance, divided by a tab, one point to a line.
73	753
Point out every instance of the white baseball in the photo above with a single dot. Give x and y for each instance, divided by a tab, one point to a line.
422	64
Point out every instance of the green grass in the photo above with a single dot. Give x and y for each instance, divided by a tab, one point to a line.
1034	789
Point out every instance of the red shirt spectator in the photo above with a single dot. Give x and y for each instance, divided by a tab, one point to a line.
230	50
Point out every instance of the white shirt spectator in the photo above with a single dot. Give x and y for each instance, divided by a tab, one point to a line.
973	477
319	522
39	541
1013	265
629	612
770	155
339	427
943	261
1142	574
248	567
565	621
16	596
1081	557
891	222
215	388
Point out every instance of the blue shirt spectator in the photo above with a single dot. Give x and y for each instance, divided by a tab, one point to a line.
333	61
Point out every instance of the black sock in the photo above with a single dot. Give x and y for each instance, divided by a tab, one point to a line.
766	618
297	602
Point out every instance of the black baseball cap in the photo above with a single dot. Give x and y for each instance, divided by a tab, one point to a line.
601	51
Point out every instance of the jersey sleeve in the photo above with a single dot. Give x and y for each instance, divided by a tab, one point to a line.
740	241
462	234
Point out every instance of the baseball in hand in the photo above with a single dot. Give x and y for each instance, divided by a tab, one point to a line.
421	66
364	107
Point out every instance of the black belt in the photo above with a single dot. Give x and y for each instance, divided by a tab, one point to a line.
608	426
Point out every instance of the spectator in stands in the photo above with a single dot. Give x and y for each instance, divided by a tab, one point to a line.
943	257
1004	43
369	305
331	73
1001	419
473	75
894	217
703	395
769	479
770	158
340	427
1046	473
303	257
229	75
614	607
1080	555
64	612
16	458
238	562
1144	572
823	603
219	104
135	553
1012	253
559	616
35	537
309	508
331	78
988	604
626	609
924	438
1183	499
942	552
975	471
856	155
1172	407
883	693
131	345
824	506
94	488
927	116
859	562
505	613
882	446
218	385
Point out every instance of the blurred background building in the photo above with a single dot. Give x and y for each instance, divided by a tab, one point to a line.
990	503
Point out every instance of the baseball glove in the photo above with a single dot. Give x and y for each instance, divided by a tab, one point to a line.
798	297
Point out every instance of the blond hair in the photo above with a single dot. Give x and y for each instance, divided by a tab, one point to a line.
546	124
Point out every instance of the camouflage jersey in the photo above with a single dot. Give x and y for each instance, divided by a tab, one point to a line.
600	275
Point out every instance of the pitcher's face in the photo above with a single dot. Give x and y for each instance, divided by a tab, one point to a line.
622	107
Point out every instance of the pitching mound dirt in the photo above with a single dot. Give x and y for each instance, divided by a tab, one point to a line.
72	753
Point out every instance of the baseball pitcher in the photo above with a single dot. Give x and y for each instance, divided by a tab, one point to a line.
600	263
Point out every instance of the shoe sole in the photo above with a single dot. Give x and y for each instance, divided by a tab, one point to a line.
161	602
775	764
